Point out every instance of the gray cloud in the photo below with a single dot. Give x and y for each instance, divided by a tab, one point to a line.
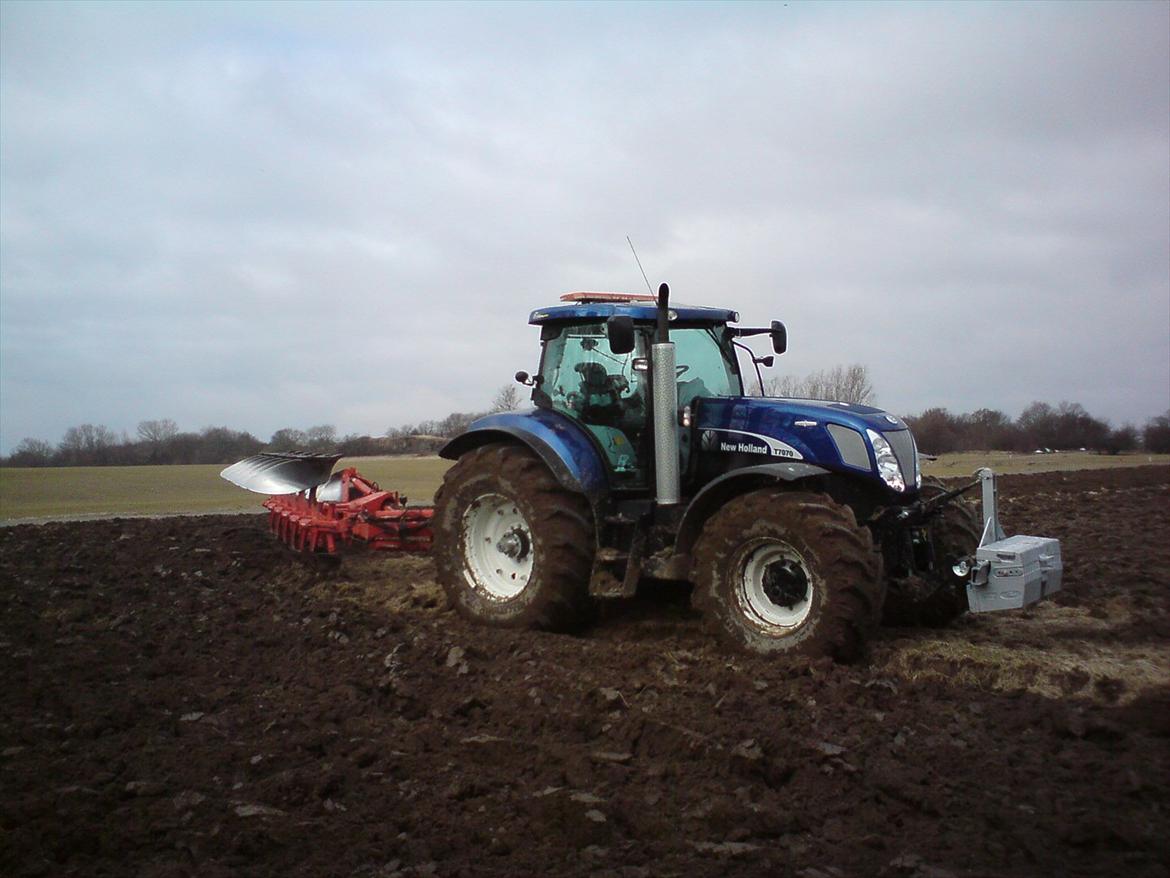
274	215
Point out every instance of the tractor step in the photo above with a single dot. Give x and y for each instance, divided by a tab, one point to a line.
616	573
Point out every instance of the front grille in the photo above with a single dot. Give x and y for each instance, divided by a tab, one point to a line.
903	444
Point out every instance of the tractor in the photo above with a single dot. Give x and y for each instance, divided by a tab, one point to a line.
800	524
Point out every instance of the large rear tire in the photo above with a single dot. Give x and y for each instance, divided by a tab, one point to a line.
936	597
512	547
787	572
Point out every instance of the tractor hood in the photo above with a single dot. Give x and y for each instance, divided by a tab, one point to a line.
771	410
835	435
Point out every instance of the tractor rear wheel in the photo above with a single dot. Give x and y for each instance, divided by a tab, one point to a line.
512	547
787	572
936	597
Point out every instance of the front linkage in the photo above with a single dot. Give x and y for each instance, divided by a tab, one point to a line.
1003	573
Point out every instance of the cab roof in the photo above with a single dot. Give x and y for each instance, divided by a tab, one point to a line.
641	308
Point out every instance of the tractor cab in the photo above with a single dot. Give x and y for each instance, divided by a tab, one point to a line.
595	368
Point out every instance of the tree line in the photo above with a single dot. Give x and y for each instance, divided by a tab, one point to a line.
1040	427
162	442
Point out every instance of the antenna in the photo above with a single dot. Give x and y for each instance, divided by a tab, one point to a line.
640	268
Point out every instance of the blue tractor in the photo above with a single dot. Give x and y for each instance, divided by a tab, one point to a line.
799	523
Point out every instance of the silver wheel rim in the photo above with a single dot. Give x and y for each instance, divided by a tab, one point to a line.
770	583
498	549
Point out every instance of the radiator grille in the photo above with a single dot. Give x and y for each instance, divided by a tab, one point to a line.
902	441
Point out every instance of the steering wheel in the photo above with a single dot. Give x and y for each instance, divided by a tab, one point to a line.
678	370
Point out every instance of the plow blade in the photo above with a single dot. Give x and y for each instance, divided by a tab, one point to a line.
278	473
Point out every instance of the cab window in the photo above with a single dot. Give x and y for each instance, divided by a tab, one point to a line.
703	365
584	379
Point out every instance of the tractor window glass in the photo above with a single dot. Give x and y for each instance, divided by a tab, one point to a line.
704	366
584	379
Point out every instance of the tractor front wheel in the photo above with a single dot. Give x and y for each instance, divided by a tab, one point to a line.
787	572
512	547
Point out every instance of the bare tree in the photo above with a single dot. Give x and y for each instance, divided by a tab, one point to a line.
287	439
157	432
322	437
87	444
937	431
507	399
841	384
1156	434
31	452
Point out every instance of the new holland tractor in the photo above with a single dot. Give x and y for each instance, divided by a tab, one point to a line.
801	524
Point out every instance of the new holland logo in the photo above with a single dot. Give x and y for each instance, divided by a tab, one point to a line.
743	447
741	442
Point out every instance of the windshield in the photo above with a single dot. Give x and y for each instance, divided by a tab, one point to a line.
706	367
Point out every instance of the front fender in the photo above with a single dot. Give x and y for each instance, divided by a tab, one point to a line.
558	440
718	491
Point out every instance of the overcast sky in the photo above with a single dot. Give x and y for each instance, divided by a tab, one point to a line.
279	215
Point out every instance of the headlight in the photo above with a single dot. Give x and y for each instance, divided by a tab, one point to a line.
887	463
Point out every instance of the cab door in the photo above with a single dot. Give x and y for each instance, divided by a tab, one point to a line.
582	378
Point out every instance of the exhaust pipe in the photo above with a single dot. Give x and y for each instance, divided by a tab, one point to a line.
665	391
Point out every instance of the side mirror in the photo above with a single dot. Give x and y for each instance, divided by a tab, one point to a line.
620	332
779	337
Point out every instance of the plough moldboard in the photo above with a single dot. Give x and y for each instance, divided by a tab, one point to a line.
314	512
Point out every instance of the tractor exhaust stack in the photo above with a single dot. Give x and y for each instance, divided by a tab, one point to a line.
665	390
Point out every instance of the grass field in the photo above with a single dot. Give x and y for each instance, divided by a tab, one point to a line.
80	492
1008	462
98	491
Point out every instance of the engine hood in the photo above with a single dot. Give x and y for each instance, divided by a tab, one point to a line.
743	431
737	411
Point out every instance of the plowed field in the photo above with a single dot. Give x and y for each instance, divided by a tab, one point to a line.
183	697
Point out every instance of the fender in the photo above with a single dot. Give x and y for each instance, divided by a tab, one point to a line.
563	446
718	491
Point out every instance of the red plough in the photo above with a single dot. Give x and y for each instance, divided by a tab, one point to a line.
364	513
344	509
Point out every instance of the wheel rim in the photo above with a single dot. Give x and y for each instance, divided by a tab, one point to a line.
497	542
776	587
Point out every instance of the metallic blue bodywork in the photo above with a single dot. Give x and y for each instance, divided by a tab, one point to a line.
798	423
639	312
564	446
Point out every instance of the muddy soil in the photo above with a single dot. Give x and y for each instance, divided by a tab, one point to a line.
183	697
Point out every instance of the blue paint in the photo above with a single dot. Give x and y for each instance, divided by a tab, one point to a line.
777	419
560	441
646	313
